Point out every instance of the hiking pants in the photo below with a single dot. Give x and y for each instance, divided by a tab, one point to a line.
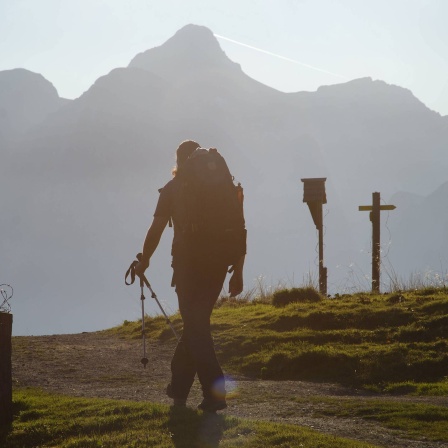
197	288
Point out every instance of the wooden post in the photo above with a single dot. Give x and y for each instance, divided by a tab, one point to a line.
322	269
314	195
376	242
375	212
5	369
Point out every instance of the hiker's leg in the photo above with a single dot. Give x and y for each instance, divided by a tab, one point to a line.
197	301
183	366
183	371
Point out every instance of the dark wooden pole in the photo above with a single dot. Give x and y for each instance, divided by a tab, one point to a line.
314	195
376	242
375	211
322	269
5	369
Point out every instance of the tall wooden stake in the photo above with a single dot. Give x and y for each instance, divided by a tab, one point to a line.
375	212
376	242
314	195
322	268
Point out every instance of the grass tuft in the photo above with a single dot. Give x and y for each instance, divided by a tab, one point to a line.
284	297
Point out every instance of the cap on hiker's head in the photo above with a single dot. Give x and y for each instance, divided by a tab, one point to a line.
184	151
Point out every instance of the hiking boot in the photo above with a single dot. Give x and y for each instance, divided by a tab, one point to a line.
177	402
212	405
169	391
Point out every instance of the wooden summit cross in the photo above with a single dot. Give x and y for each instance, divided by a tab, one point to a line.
375	210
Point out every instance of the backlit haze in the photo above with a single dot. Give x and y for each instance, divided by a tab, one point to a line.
354	91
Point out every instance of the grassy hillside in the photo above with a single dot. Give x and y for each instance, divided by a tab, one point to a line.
389	342
46	420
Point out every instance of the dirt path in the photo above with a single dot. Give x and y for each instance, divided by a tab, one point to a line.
97	365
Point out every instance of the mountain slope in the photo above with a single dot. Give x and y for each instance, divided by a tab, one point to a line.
420	235
26	99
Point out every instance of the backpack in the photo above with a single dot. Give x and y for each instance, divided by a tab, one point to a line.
212	226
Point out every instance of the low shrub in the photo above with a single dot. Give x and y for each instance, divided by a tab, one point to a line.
285	296
396	298
231	301
404	388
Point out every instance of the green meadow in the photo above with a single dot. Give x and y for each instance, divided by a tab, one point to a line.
395	343
46	420
392	347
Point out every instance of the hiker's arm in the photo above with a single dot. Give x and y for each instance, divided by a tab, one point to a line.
151	242
236	281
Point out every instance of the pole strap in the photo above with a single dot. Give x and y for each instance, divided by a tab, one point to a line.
144	281
131	272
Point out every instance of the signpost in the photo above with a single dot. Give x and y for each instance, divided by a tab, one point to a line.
314	195
6	293
375	211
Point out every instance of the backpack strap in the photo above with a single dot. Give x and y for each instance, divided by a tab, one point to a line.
170	219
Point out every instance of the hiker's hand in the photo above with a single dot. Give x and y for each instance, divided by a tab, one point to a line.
236	281
236	284
141	267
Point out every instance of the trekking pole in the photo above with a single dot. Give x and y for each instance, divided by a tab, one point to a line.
144	281
144	360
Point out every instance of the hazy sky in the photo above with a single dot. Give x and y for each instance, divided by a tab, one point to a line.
73	42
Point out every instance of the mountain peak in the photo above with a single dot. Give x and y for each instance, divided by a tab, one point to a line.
192	47
25	82
26	98
194	33
375	92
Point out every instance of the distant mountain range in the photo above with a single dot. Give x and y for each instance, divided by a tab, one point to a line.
80	178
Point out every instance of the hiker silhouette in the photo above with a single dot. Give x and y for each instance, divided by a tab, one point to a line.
206	210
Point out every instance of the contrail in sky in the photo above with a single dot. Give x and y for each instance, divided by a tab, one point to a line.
281	57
